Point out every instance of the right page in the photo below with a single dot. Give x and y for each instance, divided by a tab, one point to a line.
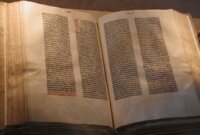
148	71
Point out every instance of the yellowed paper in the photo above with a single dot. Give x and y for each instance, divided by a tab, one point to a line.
29	37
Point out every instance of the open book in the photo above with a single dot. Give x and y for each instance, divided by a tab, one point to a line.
80	67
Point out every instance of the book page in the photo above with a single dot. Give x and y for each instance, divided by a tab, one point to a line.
148	72
64	67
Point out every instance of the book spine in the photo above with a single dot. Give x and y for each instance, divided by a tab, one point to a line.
15	97
2	65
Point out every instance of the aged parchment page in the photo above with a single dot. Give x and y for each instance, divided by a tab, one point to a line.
47	100
148	72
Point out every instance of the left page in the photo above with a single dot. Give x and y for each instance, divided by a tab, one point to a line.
64	67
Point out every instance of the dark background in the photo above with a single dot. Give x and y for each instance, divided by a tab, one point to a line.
186	6
192	6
